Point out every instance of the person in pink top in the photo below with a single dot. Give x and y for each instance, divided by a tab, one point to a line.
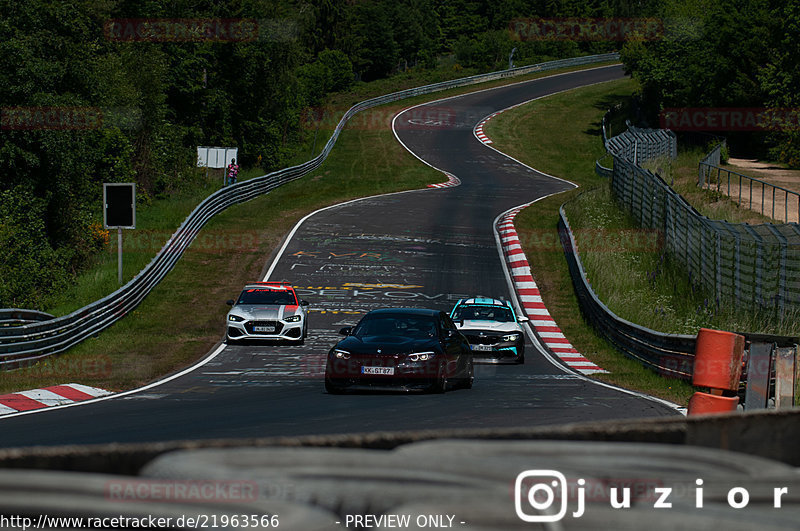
233	172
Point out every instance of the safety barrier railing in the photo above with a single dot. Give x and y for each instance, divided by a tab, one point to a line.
18	316
28	343
746	263
668	354
764	370
640	145
635	144
739	188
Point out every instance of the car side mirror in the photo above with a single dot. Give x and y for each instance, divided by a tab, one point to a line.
303	303
229	302
346	330
522	319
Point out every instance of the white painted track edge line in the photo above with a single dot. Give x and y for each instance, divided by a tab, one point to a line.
309	215
221	346
289	237
514	84
529	101
680	409
151	385
397	137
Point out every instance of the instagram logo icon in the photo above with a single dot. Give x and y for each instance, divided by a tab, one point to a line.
542	490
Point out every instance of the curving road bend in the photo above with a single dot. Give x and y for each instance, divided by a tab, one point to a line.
424	248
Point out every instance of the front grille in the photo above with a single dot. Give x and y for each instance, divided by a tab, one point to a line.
475	339
250	327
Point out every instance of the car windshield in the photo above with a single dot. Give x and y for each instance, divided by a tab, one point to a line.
397	325
483	313
266	296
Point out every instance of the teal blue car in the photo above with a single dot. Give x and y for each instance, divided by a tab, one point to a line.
492	328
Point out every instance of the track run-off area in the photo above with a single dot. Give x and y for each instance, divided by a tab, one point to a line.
423	248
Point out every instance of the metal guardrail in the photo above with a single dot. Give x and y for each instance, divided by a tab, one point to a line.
640	145
714	157
668	354
770	362
28	343
736	261
636	144
18	316
601	170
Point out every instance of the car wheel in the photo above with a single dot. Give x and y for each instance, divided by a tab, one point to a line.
332	389
468	381
441	380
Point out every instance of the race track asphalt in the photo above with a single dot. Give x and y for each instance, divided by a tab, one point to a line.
423	248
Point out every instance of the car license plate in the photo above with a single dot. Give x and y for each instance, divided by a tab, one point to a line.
387	371
269	329
482	348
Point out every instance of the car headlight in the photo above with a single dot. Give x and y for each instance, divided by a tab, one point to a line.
420	356
235	318
511	337
341	354
292	319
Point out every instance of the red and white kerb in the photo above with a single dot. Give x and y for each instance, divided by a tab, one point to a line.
546	327
56	395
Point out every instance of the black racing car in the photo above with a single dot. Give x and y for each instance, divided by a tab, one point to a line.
408	348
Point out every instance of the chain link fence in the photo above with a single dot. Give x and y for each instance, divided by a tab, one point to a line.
747	264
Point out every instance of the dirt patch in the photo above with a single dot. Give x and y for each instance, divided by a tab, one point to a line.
772	173
776	203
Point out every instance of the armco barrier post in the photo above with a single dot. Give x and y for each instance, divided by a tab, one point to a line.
718	366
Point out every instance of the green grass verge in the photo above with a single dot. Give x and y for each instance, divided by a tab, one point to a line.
159	218
560	135
645	285
183	317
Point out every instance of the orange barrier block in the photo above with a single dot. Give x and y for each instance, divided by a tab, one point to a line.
707	404
718	359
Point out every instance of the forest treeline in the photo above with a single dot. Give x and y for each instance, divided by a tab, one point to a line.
117	103
724	55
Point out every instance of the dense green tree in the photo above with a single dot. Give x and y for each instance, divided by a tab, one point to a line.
135	109
728	53
780	80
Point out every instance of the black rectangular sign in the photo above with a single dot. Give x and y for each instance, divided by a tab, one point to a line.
119	205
